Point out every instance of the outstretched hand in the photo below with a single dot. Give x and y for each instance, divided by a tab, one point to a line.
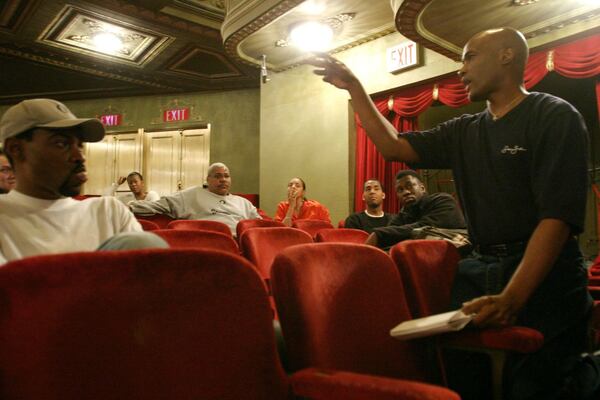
491	311
333	71
121	180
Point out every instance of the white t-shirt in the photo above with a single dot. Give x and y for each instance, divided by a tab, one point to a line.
126	198
199	203
30	226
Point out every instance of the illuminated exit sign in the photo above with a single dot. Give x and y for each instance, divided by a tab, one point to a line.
402	56
111	119
176	114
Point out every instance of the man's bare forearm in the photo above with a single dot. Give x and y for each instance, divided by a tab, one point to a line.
380	130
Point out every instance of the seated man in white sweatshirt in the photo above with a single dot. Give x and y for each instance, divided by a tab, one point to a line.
43	141
213	203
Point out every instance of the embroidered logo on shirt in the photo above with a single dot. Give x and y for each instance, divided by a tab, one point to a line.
512	150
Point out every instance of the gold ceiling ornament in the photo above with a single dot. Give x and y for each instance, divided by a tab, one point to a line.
436	92
550	60
390	103
78	30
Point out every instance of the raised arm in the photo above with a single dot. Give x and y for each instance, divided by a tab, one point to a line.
383	134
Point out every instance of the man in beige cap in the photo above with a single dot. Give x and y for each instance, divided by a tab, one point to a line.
43	141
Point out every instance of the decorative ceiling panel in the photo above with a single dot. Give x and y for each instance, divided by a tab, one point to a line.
267	33
204	63
433	22
75	29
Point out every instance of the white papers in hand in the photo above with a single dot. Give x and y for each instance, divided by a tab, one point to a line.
432	325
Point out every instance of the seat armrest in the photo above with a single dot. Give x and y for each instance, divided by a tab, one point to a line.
322	384
517	339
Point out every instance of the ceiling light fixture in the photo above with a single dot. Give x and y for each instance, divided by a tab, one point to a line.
107	42
311	36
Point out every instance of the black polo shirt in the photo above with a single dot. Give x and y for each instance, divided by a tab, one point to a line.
529	165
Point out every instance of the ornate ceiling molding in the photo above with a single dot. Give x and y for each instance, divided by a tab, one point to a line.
58	61
73	29
542	23
245	19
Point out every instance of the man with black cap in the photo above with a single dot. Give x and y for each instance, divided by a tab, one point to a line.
43	141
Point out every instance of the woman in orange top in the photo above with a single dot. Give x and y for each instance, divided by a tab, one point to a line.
298	206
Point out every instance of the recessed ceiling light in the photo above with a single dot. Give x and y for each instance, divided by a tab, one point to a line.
311	36
107	42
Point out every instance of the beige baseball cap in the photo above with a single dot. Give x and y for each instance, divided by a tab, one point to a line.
47	113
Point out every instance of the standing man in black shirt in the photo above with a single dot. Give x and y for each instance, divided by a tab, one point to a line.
418	209
373	216
520	169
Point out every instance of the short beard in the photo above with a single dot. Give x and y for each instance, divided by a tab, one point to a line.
69	191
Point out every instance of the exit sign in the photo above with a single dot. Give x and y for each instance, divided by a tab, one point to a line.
176	114
402	56
111	119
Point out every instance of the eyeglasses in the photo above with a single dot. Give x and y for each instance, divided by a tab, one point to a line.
6	170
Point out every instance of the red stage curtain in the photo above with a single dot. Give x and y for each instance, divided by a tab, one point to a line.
580	59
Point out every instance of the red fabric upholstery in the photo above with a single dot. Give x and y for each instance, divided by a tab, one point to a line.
159	219
154	324
322	384
311	226
341	223
251	197
148	225
197	239
517	339
263	214
148	324
428	268
261	245
342	235
85	196
204	225
337	303
255	223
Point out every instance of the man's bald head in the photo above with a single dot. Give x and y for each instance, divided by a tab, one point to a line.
508	40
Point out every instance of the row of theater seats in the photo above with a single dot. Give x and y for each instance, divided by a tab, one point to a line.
196	323
165	324
310	226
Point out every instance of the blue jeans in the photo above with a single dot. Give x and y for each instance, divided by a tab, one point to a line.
558	309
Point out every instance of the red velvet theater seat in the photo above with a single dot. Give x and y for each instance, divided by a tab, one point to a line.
200	224
197	239
428	268
148	225
159	219
155	324
311	226
261	245
256	223
342	235
337	303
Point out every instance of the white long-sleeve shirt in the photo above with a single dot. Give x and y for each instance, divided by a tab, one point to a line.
199	203
30	226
